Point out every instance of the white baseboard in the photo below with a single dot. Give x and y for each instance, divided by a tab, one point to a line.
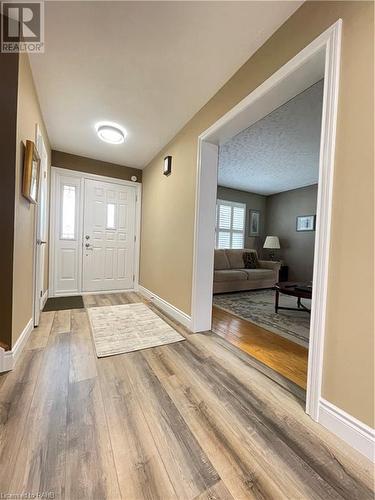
165	306
8	363
10	357
97	292
2	359
43	300
355	433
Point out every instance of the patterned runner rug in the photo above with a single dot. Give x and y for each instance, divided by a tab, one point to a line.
258	306
127	328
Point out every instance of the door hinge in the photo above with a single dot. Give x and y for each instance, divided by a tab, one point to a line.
136	198
133	277
41	294
135	238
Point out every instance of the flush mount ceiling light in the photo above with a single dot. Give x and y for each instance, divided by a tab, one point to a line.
110	132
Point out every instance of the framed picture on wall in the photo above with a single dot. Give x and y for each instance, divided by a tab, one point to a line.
254	222
305	223
31	166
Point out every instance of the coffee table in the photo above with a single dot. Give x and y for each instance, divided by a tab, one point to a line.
299	290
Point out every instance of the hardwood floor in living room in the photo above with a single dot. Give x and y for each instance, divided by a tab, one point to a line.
285	357
190	420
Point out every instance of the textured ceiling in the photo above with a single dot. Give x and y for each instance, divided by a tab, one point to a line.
149	66
280	151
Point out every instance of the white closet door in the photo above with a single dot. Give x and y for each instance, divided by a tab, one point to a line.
41	227
68	235
108	236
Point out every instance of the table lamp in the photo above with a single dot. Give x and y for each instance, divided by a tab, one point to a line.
272	243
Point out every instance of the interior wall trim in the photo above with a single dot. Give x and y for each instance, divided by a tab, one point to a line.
2	359
165	306
10	358
95	292
351	430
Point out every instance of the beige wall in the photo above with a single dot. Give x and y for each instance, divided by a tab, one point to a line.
297	247
89	165
168	202
28	114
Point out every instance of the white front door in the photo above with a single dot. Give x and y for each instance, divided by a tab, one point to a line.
108	236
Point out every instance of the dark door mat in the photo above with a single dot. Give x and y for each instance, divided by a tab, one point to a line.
61	303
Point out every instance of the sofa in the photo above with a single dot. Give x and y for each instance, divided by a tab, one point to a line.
230	274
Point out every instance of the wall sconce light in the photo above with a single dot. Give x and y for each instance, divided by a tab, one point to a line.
167	170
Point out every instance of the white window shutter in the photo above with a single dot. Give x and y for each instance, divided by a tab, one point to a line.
230	224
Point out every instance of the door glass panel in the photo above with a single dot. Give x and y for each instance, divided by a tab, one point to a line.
111	216
68	213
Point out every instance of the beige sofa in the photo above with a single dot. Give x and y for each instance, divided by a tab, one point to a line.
230	274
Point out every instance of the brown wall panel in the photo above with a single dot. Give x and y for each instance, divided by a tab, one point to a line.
91	166
8	133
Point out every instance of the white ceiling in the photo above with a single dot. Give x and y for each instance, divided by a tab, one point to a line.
279	152
150	66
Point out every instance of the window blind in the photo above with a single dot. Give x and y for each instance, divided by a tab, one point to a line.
230	224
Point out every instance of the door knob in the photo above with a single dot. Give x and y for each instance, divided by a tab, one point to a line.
87	245
87	237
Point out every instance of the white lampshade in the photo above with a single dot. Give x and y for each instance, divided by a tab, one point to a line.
272	242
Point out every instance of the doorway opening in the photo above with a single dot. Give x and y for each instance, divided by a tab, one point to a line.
265	233
321	57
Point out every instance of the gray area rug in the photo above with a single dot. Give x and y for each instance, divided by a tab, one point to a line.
258	306
127	328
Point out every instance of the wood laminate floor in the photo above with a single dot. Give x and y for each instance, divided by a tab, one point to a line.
285	357
191	420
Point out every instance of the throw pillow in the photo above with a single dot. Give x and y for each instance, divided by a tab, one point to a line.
250	260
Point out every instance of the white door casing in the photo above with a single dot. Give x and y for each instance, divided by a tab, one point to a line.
299	70
111	261
109	236
40	231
